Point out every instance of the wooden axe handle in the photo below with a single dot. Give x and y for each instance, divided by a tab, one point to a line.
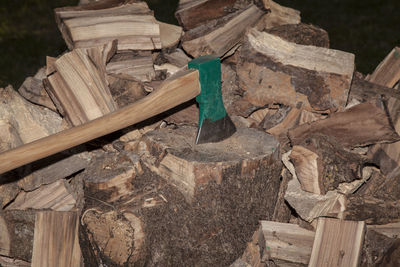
174	91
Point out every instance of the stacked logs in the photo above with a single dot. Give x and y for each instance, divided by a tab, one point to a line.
315	154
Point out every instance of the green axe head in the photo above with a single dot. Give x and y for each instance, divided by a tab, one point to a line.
214	123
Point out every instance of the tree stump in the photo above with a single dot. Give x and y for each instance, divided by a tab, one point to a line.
194	205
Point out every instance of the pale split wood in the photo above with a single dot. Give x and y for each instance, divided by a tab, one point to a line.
170	34
55	239
130	22
54	196
337	243
279	15
287	241
387	73
177	89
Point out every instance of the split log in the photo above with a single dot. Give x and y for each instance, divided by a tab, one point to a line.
130	22
221	35
322	164
351	128
80	85
193	13
10	262
55	241
55	196
170	35
131	66
278	15
33	90
31	122
388	71
364	91
177	58
391	230
287	242
190	171
125	91
372	210
272	70
310	206
303	34
379	250
337	243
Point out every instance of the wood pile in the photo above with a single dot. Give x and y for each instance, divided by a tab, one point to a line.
311	177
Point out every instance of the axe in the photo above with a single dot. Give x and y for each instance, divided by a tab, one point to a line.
201	80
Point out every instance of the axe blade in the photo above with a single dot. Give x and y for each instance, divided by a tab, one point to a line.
214	123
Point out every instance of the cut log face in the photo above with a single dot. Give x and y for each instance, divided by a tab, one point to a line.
337	243
79	84
220	40
130	22
351	128
272	70
192	167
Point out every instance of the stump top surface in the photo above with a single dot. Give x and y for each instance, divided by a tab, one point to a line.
246	143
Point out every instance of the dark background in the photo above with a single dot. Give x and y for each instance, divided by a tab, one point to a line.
28	32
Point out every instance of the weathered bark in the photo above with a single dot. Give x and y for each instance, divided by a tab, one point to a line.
351	128
272	70
232	189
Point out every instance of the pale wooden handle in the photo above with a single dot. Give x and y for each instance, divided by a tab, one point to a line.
172	92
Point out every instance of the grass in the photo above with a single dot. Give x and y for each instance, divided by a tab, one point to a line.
28	32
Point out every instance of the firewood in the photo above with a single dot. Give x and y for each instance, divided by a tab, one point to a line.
193	13
10	262
55	241
177	58
285	241
272	70
391	230
278	15
54	196
337	243
388	71
170	35
351	128
125	91
33	90
310	206
80	85
372	210
16	234
110	176
191	175
322	164
31	121
303	34
127	65
364	91
130	22
378	249
218	37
